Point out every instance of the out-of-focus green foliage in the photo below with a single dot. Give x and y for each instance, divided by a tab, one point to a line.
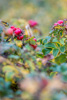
34	67
30	68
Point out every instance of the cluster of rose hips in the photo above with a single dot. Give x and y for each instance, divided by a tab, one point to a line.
16	31
19	33
60	22
32	24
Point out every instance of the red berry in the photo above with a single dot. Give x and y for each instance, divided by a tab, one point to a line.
55	24
9	31
20	37
66	28
35	39
18	31
33	46
60	22
13	27
32	23
44	83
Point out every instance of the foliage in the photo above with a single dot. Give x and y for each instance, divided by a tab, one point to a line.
31	67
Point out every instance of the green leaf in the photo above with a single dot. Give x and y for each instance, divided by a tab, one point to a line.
64	78
39	54
55	52
62	48
52	74
6	69
1	88
61	33
47	39
58	44
24	37
46	51
18	92
1	80
32	42
62	41
51	31
10	96
41	40
41	46
50	45
61	59
9	76
13	56
7	85
1	29
9	68
55	40
28	47
56	32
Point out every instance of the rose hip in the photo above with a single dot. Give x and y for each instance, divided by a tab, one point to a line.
20	37
9	31
18	31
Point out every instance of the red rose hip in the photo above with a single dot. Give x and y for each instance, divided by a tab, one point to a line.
18	31
35	39
9	31
32	23
33	46
13	27
60	22
20	37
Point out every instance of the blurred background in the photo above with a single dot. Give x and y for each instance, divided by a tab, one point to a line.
45	12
